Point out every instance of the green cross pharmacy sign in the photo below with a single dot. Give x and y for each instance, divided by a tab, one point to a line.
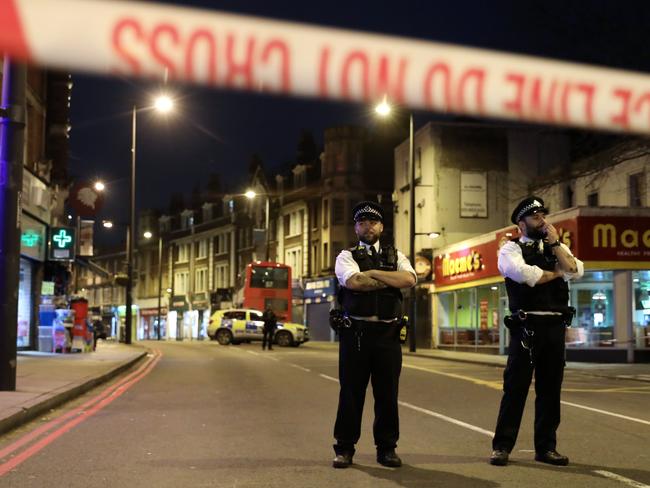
62	244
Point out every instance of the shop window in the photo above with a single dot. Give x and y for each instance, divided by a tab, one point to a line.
446	317
641	311
593	298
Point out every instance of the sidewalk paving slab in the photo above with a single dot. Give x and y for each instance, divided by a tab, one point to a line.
44	381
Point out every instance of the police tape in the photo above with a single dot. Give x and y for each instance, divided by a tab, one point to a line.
249	53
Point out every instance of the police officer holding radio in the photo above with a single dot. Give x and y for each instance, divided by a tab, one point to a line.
370	276
536	267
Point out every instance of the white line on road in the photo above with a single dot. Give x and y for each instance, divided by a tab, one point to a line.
271	358
622	479
605	412
460	423
328	377
300	367
253	353
448	419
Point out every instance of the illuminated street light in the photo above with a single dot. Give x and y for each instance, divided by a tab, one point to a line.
250	194
147	235
99	186
433	235
383	108
164	104
107	224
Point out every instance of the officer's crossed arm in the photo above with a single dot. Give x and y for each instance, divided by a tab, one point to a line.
403	277
512	265
362	281
396	279
350	276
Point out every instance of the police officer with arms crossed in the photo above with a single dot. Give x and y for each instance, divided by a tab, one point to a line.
371	276
536	268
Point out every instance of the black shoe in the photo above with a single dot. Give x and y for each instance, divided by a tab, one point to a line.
499	457
552	457
342	460
389	458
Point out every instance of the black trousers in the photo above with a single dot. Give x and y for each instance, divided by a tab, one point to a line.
268	336
374	355
548	353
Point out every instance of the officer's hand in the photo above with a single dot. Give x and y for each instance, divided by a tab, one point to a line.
551	234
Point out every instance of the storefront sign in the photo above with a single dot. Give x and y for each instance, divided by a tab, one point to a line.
62	244
32	238
319	287
468	264
614	238
152	312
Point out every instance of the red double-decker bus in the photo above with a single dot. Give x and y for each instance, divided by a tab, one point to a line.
268	284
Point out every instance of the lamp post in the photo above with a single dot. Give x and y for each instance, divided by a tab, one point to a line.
250	194
162	104
383	109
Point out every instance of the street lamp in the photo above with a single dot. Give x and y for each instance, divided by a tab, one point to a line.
107	224
162	104
251	194
149	235
383	109
99	186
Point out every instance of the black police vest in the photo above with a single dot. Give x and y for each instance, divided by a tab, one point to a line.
552	296
385	303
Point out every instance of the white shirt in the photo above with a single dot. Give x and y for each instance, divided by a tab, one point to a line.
346	266
512	265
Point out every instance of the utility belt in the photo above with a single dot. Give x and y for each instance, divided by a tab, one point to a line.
340	322
526	323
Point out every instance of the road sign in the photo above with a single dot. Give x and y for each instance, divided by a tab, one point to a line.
62	244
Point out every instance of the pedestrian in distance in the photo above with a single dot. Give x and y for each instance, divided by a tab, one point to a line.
537	268
270	324
371	276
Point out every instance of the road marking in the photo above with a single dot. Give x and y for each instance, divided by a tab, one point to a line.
495	385
605	412
34	434
300	367
451	420
622	479
328	377
253	353
271	358
83	415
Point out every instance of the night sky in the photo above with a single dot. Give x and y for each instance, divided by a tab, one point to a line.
218	131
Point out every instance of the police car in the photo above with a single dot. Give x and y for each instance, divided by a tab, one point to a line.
234	326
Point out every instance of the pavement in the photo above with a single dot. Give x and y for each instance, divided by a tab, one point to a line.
45	381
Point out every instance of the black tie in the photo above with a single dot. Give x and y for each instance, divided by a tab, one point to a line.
373	254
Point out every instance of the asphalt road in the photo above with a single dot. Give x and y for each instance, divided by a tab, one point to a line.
208	415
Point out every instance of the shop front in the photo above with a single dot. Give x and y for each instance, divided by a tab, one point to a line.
201	305
612	299
33	243
148	325
319	296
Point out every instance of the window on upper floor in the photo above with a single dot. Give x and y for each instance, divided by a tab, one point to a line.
637	189
183	253
338	211
592	199
202	249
